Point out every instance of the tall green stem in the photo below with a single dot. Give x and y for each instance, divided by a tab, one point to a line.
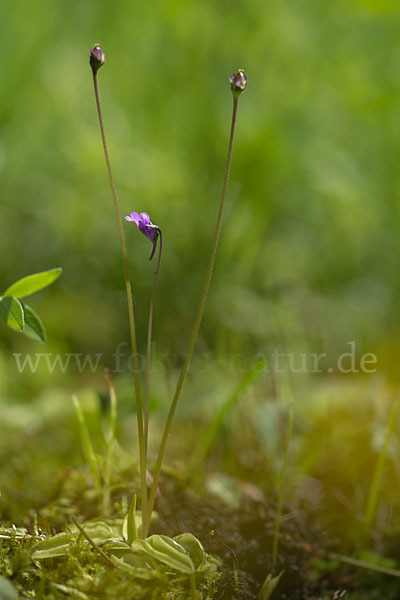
135	361
281	488
193	590
198	319
373	494
148	356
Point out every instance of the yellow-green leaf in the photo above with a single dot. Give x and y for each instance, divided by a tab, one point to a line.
32	283
53	547
269	586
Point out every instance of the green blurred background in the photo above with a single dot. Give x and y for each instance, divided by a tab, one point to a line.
310	247
310	254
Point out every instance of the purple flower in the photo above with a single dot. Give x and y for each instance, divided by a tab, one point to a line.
238	81
143	222
97	58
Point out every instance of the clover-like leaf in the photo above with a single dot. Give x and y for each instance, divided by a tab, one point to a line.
34	327
32	283
12	313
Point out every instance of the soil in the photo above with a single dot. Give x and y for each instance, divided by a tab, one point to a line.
242	537
243	540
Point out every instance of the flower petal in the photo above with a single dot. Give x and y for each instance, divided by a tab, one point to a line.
144	224
144	217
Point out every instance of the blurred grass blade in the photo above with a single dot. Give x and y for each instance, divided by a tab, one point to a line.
373	495
110	443
362	564
210	432
32	283
34	328
12	313
282	476
87	444
269	586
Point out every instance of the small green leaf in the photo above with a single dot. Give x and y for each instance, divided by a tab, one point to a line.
12	313
193	547
32	283
98	531
131	525
167	551
116	547
34	328
7	590
53	547
268	587
128	563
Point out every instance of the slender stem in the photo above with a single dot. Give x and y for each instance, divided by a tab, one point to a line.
149	334
92	543
281	489
198	319
135	361
110	445
193	590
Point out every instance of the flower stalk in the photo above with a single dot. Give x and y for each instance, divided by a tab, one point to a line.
97	60
148	354
153	233
238	85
